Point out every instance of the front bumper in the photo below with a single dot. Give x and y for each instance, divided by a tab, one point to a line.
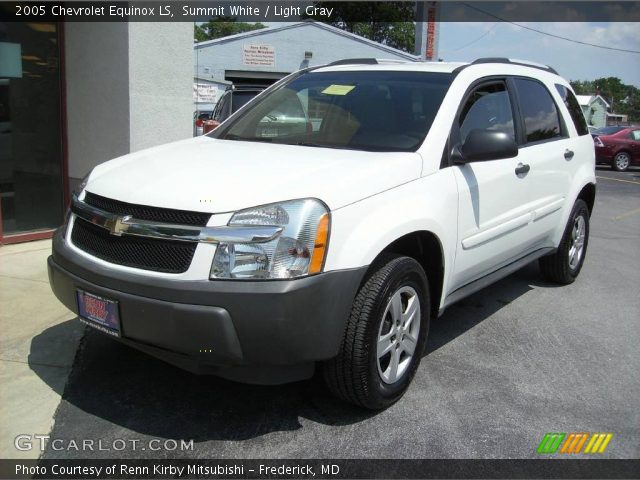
253	331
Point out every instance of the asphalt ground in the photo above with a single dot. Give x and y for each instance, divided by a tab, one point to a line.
503	367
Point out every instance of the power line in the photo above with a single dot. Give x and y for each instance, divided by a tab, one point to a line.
475	40
551	34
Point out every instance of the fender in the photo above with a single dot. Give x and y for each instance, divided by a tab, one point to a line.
585	176
360	231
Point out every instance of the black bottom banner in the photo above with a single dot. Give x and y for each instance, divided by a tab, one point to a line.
335	469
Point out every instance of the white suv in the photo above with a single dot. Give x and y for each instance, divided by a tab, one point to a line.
330	219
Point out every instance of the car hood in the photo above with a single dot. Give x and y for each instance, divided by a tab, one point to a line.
216	176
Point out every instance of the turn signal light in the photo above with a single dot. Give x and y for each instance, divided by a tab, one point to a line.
320	245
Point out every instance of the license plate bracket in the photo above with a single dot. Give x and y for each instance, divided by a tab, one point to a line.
99	312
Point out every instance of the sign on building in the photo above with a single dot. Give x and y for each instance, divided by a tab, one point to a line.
205	93
258	55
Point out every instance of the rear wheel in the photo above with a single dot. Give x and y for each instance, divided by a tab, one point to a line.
621	161
385	335
564	266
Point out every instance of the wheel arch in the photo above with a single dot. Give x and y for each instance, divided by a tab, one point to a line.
588	194
426	248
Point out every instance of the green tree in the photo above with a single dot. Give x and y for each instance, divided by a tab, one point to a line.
222	27
624	99
390	23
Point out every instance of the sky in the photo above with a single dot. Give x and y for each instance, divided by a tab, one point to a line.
468	41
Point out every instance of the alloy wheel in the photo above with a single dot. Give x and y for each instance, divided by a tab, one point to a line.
622	161
578	234
398	334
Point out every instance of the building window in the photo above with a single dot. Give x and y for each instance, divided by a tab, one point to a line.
31	182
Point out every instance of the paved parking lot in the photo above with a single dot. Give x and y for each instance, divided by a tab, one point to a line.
512	362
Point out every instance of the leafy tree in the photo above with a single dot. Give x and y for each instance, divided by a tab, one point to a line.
623	98
390	23
222	27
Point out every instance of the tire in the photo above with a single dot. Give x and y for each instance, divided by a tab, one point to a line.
564	266
357	375
621	161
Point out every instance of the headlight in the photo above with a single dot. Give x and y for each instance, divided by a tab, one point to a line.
300	250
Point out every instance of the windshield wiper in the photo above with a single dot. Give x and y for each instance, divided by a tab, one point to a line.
233	136
318	145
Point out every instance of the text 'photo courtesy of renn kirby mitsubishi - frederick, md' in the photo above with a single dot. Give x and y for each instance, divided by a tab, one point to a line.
307	239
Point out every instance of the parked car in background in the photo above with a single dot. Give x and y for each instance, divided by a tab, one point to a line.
618	147
198	121
231	101
610	130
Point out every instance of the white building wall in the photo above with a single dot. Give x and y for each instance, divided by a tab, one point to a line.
97	93
213	59
128	87
160	83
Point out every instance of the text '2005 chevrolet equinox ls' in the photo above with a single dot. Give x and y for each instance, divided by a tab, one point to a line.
330	219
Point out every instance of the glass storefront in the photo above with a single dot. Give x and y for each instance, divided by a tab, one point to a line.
31	159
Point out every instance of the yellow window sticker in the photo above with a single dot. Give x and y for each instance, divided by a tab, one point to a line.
338	89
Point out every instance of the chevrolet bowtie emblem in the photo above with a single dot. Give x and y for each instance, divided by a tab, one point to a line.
117	226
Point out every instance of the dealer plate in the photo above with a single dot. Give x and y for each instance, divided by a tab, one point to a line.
98	312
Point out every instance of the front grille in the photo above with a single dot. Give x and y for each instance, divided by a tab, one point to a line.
167	256
143	212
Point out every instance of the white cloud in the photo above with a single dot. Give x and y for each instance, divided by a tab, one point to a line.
572	60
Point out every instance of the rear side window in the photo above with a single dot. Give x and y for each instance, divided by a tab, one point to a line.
574	108
541	120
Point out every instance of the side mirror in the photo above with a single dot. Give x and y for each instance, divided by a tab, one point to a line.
483	145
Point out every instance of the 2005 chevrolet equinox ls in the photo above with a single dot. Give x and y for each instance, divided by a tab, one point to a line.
330	219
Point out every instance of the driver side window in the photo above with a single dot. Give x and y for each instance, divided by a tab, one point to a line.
487	108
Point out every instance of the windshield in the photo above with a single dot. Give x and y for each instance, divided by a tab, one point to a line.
609	130
365	110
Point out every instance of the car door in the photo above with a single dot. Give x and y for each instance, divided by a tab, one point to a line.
492	194
551	155
635	144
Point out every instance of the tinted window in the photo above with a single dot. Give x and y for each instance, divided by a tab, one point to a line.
540	114
362	110
609	130
574	108
240	98
487	108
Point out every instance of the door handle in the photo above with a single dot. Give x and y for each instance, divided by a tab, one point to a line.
522	169
568	154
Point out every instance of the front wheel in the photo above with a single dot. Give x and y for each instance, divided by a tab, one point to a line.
564	266
385	335
621	161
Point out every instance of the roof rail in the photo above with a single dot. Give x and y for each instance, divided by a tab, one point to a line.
354	61
512	61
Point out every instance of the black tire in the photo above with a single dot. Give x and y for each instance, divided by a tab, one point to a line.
557	268
353	375
621	161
